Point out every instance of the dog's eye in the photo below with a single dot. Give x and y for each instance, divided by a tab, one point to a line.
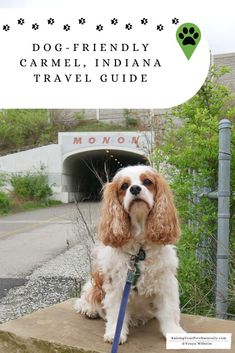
147	182
124	186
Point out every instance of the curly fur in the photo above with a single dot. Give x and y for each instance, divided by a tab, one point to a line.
96	294
114	228
163	223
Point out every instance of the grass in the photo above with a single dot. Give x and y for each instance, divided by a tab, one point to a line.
23	205
94	125
31	205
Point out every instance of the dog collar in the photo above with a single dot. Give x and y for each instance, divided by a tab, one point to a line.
139	257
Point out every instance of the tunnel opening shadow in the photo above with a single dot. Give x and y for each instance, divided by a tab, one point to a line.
85	173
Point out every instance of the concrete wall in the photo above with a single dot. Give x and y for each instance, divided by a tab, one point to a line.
49	156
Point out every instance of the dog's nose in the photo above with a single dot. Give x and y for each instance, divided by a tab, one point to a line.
135	189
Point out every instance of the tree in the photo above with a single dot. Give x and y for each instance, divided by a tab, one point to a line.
21	127
191	150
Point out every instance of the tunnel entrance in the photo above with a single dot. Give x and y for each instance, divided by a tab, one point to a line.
84	173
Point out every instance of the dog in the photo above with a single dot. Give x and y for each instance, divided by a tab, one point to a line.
138	212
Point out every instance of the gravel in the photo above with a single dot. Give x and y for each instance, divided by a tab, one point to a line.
59	279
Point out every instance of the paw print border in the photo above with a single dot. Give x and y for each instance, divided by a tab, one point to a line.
83	21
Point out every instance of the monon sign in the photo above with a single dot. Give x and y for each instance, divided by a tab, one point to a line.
71	141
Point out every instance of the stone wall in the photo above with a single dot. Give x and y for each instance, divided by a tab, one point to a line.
226	60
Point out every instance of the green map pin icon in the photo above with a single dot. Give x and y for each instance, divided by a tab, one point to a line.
188	36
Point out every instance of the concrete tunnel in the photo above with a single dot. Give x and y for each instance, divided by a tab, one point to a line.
84	172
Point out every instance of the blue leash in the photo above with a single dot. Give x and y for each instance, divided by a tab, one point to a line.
129	281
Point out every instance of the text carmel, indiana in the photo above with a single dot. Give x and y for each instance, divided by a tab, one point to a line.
114	62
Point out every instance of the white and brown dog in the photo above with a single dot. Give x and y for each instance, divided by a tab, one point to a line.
138	212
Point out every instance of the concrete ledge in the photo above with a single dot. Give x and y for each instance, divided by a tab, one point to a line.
58	329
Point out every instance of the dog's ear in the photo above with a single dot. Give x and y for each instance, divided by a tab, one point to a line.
163	224
114	227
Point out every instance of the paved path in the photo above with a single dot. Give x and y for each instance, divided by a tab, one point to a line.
29	239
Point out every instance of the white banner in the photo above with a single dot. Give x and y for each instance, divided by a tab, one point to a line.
198	341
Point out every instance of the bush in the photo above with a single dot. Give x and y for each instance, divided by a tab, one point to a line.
31	186
4	203
130	118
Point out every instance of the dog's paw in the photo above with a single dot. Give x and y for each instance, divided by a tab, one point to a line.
109	337
84	308
172	329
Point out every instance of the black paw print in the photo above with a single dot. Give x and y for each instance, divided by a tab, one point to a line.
81	21
66	27
6	28
114	21
189	36
175	21
99	28
160	27
35	26
21	21
144	21
51	21
128	26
